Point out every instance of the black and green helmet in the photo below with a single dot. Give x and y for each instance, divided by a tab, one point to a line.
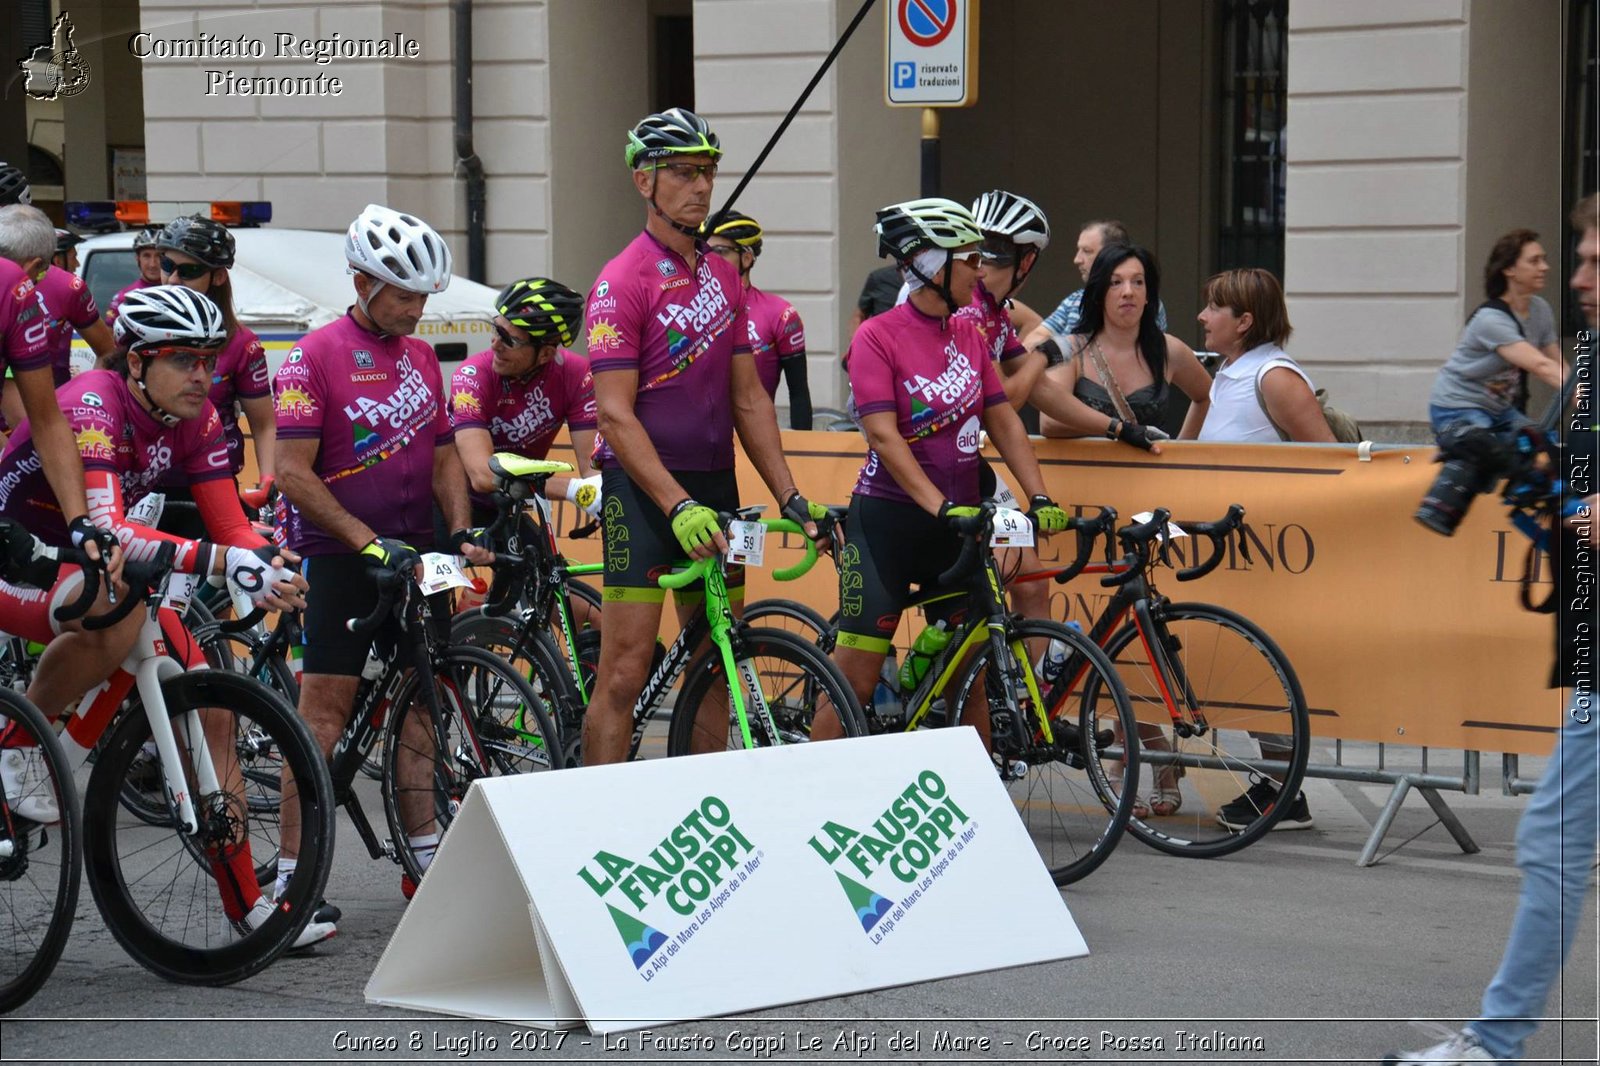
675	131
545	310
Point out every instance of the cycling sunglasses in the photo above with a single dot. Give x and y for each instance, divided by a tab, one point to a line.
998	252
507	339
687	172
184	360
185	271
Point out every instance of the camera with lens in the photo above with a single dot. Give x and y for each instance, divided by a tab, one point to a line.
1476	459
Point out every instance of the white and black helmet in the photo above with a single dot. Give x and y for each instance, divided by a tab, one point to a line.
398	249
169	315
1010	215
14	187
917	225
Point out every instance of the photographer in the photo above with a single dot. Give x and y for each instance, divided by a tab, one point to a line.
1556	837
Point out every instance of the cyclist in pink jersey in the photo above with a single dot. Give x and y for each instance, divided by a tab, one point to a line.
364	450
925	385
673	379
70	306
148	256
777	336
515	396
198	253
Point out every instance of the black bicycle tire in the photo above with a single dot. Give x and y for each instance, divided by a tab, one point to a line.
754	613
1230	842
68	833
539	649
443	808
181	962
761	640
1102	683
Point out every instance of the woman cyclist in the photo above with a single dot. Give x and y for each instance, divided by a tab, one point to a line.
777	336
197	253
924	384
133	424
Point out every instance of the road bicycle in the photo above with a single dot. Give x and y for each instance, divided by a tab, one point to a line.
1204	680
782	678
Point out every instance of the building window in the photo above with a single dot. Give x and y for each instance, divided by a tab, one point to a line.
674	62
36	23
1253	115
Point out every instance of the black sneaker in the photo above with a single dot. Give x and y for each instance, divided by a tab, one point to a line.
1242	812
326	912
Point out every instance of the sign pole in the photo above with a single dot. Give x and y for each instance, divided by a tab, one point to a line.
930	151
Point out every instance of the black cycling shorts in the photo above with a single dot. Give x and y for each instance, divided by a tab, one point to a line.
639	544
341	588
889	546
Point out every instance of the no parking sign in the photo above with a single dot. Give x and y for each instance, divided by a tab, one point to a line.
931	55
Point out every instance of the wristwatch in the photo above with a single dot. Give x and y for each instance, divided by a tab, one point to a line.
1113	428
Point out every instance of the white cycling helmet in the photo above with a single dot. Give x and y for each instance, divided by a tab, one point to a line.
917	225
1012	216
169	315
398	249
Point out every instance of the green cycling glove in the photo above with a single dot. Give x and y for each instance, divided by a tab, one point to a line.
1049	517
394	554
694	524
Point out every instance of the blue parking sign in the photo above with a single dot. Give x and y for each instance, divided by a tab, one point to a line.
905	75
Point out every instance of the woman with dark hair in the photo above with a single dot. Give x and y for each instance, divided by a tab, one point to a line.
1120	364
1513	331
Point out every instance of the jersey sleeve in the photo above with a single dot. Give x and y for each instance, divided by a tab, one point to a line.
871	374
791	339
299	396
81	309
1010	342
444	431
616	319
102	490
741	326
253	380
26	344
993	391
470	403
205	448
581	411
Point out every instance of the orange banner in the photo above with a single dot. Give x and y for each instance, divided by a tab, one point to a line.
1397	634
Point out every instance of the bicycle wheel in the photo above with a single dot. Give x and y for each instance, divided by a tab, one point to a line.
41	860
174	902
537	659
491	723
790	615
795	679
1237	682
1061	788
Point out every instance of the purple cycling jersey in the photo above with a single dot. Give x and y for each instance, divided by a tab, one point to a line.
994	324
936	376
376	405
241	374
114	434
122	294
776	334
679	329
522	415
24	322
70	306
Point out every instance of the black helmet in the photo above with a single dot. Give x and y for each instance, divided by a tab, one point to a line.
14	186
66	240
146	237
675	131
737	227
546	310
208	241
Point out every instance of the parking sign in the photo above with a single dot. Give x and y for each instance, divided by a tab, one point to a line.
932	53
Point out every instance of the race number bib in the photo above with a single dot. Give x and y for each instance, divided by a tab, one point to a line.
1011	529
747	543
440	572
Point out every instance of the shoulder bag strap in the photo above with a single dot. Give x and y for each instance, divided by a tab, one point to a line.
1118	401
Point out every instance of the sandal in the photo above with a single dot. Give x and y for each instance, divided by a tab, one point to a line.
1166	800
1141	809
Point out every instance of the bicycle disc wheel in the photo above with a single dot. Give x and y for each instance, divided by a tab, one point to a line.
1060	788
795	678
491	724
1238	683
166	895
41	861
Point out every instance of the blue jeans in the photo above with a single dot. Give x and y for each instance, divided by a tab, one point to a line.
1555	849
1502	424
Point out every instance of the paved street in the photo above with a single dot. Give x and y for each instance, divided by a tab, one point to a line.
1289	944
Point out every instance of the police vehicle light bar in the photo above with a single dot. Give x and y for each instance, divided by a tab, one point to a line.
109	214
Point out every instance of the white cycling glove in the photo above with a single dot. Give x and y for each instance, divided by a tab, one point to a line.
250	570
585	492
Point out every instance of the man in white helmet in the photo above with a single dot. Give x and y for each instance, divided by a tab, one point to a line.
365	448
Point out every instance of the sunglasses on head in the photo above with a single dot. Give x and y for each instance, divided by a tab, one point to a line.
687	172
184	360
185	271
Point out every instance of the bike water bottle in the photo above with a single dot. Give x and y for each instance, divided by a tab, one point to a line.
929	643
1055	658
886	694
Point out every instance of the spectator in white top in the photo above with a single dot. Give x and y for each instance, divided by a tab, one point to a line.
1257	387
1510	333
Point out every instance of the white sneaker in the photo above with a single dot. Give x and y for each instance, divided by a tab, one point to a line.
28	788
1458	1047
315	932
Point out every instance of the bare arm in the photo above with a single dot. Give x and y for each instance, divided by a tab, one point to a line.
474	445
1008	434
300	483
1019	375
98	336
883	435
1290	404
1024	319
582	459
614	394
1525	356
263	419
756	421
1036	336
450	488
1184	371
1062	414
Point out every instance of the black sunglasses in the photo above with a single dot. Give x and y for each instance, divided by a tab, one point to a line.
185	271
507	339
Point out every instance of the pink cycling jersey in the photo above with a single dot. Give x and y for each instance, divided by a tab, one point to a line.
523	415
994	325
70	305
936	376
122	294
376	405
776	334
241	374
24	322
679	329
117	436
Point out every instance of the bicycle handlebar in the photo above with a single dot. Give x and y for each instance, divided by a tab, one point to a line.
141	578
696	570
389	583
973	531
1217	532
1089	531
1136	539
